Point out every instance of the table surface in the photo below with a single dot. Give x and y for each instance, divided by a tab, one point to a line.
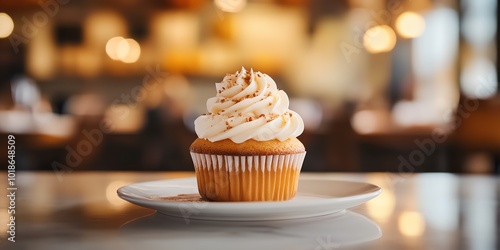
81	210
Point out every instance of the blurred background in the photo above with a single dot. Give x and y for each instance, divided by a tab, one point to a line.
383	85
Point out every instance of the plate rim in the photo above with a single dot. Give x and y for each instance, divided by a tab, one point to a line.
368	195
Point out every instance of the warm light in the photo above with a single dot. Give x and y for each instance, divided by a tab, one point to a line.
112	47
379	39
122	49
123	118
42	55
252	28
100	26
6	25
216	58
411	224
111	195
178	30
382	207
410	25
125	50
231	5
364	122
133	50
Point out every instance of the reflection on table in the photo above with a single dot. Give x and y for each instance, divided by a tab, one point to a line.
332	231
414	211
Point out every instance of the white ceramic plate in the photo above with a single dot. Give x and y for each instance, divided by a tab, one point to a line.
315	197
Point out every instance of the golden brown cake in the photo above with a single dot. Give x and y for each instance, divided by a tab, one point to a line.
247	148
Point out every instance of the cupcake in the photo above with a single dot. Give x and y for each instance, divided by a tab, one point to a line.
247	148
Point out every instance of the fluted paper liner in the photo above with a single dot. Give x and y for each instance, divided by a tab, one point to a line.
247	178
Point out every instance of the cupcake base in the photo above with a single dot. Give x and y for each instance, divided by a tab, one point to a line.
247	178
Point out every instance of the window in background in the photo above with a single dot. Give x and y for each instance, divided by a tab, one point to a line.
478	78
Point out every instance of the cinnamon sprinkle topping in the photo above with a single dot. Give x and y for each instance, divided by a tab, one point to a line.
183	198
247	77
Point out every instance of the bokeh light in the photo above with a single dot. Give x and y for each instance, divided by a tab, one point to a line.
100	26
133	51
478	79
410	24
365	121
379	39
231	5
125	50
383	207
112	46
111	195
6	25
122	49
411	224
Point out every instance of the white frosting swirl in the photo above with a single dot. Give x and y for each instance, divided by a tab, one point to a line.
247	106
